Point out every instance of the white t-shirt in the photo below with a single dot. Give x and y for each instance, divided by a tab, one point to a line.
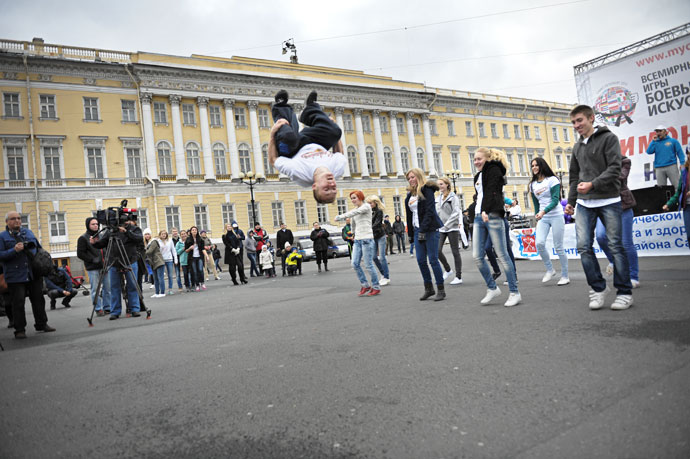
542	191
480	194
412	203
300	168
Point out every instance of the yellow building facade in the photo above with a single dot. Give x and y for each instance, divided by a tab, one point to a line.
83	128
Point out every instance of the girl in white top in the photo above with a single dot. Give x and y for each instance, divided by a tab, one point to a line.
169	254
545	189
450	213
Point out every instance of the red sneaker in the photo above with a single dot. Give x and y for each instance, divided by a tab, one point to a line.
364	291
374	292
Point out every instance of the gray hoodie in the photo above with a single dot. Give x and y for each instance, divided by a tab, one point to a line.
598	161
448	211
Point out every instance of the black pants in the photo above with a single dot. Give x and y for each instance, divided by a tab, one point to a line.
185	273
389	243
236	266
454	238
53	294
283	258
320	130
18	293
400	237
321	255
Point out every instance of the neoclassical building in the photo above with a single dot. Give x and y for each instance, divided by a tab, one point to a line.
83	128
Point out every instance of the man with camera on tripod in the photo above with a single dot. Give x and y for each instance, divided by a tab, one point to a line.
121	242
17	246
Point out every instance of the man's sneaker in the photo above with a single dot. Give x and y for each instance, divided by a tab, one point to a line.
374	292
447	274
622	302
635	283
490	295
281	97
203	286
114	317
412	255
364	291
311	98
548	276
385	281
20	335
564	281
171	292
456	281
609	270
513	299
596	299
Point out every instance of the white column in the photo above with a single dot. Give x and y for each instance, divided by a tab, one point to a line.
427	144
410	139
149	144
256	140
339	121
177	137
232	138
298	111
359	132
379	143
396	144
209	170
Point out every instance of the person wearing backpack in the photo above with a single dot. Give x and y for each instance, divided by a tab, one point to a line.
17	247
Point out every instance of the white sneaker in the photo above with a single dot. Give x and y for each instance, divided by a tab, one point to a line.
385	281
609	270
456	281
622	302
564	281
548	276
151	286
596	299
412	255
447	274
635	283
155	295
490	295
171	292
513	299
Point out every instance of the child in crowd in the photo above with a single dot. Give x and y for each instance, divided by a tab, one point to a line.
293	261
266	261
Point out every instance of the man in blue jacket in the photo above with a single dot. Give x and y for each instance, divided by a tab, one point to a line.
15	244
667	153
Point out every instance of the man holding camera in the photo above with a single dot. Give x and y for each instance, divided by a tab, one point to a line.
93	264
17	245
130	235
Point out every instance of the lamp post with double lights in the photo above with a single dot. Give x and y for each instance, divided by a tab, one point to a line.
250	179
454	175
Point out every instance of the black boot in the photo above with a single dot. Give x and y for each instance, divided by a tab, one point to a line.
52	303
325	266
428	291
319	267
440	294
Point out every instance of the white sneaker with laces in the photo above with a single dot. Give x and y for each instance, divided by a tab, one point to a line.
456	281
412	255
155	295
622	302
385	281
609	270
490	295
635	283
447	274
596	299
548	276
513	299
564	281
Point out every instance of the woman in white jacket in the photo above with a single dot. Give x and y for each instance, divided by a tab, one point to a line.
450	213
169	254
364	245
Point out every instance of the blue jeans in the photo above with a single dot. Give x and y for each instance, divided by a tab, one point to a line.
364	248
116	291
556	224
169	269
159	279
196	271
179	278
104	297
489	245
428	248
628	244
380	256
585	223
253	270
495	230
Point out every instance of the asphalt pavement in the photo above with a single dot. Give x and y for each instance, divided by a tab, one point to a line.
300	367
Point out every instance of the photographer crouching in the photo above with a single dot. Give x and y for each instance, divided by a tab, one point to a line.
122	262
17	246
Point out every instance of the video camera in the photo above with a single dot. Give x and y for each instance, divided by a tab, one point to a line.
114	217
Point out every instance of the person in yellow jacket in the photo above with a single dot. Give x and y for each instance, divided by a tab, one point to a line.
294	262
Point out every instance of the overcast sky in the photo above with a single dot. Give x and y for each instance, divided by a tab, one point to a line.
518	48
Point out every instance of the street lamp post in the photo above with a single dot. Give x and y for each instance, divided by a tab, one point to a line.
250	179
560	173
454	175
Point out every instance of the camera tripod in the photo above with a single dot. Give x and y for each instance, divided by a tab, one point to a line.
121	262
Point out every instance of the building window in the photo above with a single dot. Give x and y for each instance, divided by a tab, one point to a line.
554	131
416	128
91	109
347	121
494	131
268	167
201	217
438	161
342	205
559	162
537	133
245	160
405	159
352	159
366	123
142	218
471	153
172	216
219	159
516	131
432	127
240	118
511	167
401	125
47	103
227	210
397	205
51	159
506	134
371	161
482	131
263	118
469	132
193	160
383	121
322	213
521	162
11	105
451	128
525	200
301	213
253	214
25	221
278	213
388	159
420	158
58	227
566	135
164	159
129	114
462	201
527	134
214	115
15	163
159	113
134	163
455	158
95	160
188	118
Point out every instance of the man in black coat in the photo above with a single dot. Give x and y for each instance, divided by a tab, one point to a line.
233	240
93	264
320	237
284	236
388	228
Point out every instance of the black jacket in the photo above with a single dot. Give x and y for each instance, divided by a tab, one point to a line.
493	179
131	238
233	240
199	244
398	227
320	238
426	210
377	223
388	228
282	237
90	255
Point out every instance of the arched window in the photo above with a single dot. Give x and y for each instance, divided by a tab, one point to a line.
164	158
405	159
388	159
371	160
352	159
245	159
268	167
420	158
193	160
219	159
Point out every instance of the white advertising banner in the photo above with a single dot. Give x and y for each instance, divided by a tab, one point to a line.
653	235
634	94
